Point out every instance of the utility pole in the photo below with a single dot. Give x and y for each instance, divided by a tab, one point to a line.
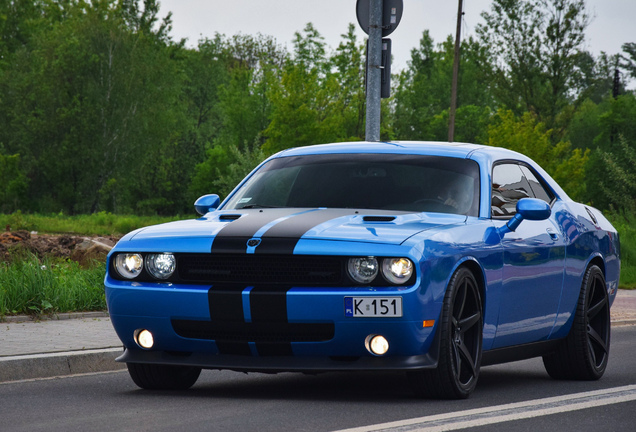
453	106
378	18
374	73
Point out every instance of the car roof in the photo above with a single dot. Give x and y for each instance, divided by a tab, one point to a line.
460	150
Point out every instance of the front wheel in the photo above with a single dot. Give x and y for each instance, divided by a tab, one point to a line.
461	333
584	353
163	377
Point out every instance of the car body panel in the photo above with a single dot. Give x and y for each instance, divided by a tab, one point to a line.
529	279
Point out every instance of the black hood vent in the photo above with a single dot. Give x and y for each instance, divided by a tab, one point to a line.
378	218
229	217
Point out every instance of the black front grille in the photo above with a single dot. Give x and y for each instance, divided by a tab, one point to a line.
254	332
261	269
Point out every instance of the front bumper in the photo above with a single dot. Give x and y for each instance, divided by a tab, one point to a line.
159	308
280	363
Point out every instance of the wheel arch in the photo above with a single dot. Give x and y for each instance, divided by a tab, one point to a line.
598	261
478	272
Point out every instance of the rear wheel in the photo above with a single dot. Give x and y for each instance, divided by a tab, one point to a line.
163	377
461	332
584	353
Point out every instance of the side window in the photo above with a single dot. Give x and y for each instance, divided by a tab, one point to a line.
539	190
509	185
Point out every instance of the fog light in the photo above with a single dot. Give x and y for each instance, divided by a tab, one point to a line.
144	339
377	345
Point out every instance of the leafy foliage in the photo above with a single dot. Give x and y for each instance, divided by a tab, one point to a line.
14	183
618	183
535	46
528	136
423	92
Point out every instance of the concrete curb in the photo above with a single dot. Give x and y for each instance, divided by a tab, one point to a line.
624	322
32	366
56	316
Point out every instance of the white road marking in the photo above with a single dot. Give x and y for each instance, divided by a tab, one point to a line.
505	413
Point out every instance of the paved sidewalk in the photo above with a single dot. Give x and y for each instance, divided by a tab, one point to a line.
83	343
624	308
66	345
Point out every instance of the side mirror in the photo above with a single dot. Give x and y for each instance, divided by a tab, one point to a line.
207	203
527	208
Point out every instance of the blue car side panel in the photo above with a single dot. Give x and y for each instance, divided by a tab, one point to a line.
455	245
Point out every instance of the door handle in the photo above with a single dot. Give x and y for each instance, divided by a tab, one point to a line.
554	236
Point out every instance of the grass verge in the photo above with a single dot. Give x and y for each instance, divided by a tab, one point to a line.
33	286
101	224
625	225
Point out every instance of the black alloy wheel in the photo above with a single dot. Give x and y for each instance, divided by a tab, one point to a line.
583	355
461	334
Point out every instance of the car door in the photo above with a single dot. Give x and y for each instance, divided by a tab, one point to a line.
534	259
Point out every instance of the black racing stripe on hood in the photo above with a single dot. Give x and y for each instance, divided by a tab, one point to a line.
283	237
234	236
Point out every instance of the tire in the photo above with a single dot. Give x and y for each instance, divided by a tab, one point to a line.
584	353
461	334
163	377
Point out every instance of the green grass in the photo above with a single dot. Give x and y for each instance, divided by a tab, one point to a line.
33	286
39	286
625	224
101	223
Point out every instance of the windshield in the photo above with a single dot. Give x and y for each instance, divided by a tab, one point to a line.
365	181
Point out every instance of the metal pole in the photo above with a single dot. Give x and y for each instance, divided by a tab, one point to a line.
453	107
374	76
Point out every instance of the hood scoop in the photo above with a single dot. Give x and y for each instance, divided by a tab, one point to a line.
378	218
229	217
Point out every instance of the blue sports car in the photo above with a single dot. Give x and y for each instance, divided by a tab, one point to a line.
431	258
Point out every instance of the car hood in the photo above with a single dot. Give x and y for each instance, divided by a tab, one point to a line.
278	230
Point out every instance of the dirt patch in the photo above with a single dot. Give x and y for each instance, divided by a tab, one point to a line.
82	249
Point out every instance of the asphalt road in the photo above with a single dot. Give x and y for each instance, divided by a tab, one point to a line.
230	401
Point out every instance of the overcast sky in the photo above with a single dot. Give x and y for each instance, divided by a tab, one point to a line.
613	21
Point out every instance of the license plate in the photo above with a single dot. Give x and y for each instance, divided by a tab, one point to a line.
371	307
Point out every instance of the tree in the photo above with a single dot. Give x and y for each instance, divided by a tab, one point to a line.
617	186
530	137
241	107
309	106
628	61
423	91
88	105
14	183
535	44
347	66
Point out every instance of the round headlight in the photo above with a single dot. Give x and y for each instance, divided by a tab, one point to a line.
161	266
363	270
129	265
397	270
